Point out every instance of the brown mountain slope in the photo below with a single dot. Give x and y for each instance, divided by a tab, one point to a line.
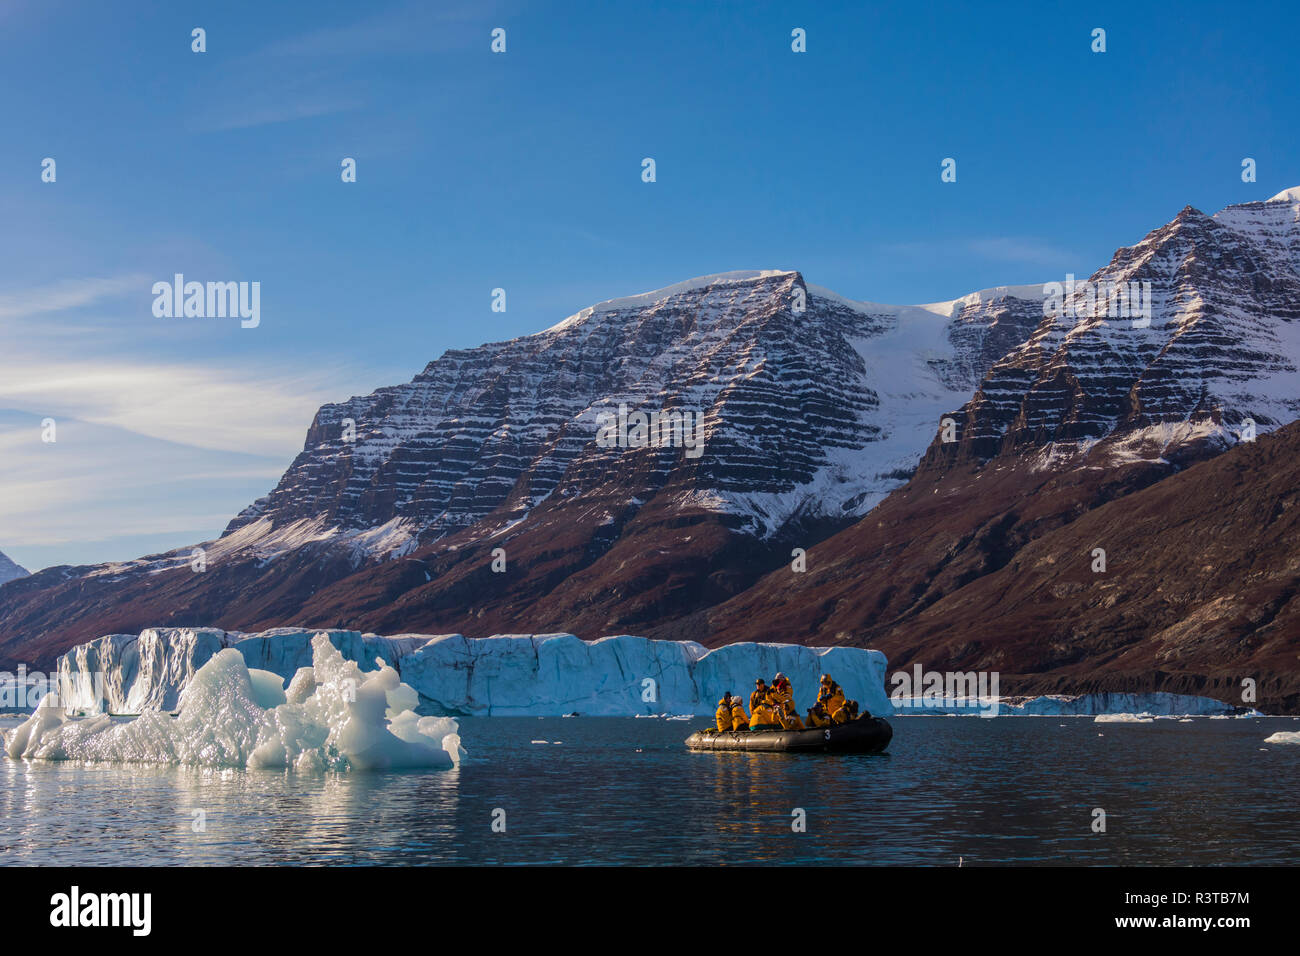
594	565
991	569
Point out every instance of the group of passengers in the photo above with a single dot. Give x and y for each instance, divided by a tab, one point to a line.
771	707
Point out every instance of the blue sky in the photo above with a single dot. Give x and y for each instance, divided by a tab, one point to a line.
479	170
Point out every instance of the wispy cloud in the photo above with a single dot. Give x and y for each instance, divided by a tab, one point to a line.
315	73
401	28
147	445
66	294
262	94
98	483
261	410
249	114
1028	250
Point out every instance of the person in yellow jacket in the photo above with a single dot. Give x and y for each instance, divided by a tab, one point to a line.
781	693
763	717
830	696
739	719
723	716
817	716
846	712
760	693
789	717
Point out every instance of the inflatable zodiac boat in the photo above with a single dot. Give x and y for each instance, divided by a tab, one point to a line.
866	735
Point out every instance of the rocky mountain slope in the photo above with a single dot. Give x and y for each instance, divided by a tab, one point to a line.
810	405
996	568
812	408
1221	344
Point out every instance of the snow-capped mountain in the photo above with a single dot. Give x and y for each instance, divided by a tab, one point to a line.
1218	351
812	406
9	570
808	413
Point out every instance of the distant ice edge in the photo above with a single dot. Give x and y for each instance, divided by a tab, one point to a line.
1107	704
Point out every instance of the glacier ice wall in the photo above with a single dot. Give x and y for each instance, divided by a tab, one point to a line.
506	675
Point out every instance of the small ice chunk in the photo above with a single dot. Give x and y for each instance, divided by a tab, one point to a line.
1124	718
1283	737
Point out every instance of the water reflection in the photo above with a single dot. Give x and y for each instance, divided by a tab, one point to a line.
627	791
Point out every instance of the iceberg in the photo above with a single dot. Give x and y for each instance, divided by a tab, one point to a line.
129	674
332	716
1283	737
1124	718
455	676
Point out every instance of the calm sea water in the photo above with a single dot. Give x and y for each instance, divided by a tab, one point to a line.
626	791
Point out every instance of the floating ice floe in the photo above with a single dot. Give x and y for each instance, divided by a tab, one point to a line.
1283	737
1124	718
332	716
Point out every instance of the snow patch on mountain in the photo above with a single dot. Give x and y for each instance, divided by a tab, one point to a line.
656	296
1149	444
1273	225
1032	292
262	541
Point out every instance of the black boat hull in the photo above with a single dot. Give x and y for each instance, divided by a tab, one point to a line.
866	735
